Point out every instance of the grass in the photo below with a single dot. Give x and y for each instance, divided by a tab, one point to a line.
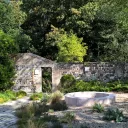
56	97
11	95
36	96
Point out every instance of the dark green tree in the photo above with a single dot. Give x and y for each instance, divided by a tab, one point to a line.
7	48
11	18
102	24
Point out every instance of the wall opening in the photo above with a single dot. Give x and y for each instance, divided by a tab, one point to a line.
46	79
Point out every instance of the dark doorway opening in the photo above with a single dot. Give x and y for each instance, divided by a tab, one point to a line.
46	79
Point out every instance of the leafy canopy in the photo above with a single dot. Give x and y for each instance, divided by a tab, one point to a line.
7	47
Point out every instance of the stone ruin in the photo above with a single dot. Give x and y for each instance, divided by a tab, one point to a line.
29	66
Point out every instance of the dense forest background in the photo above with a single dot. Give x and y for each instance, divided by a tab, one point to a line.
63	31
96	30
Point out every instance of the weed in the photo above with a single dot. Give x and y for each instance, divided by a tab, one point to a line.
114	114
98	108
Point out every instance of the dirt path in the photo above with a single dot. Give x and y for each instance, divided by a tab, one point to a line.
7	112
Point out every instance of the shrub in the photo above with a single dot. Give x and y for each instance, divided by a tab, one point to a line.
57	125
59	106
35	124
11	94
21	94
69	84
68	117
26	111
4	97
48	118
56	97
66	82
36	96
31	123
46	97
98	108
114	114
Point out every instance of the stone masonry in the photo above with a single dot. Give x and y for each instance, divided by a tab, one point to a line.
29	71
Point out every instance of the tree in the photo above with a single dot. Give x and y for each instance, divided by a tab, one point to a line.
104	28
7	47
11	18
102	24
69	47
40	16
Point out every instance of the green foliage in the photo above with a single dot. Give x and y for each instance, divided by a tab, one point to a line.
21	94
102	24
56	102
46	98
26	116
69	84
37	96
7	46
3	98
56	97
11	95
11	18
68	117
59	106
114	114
46	80
56	12
66	82
98	108
70	48
57	125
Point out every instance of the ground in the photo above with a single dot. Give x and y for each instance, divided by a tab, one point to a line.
94	120
83	115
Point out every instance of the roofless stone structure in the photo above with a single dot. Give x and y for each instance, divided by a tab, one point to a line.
29	71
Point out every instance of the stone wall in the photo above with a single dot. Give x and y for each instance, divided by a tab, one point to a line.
60	69
29	71
105	71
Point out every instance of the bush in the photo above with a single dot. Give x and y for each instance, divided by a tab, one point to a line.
56	97
68	117
7	95
69	84
57	125
27	115
59	106
11	94
46	97
36	96
21	94
98	108
114	114
66	82
3	98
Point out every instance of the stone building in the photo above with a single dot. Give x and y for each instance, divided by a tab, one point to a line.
29	71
